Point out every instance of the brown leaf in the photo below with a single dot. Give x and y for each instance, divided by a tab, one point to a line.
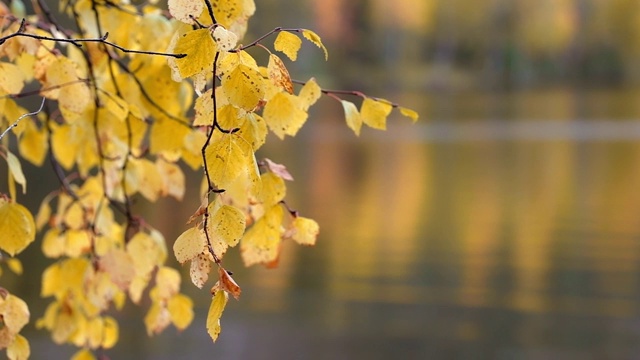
279	74
278	169
227	283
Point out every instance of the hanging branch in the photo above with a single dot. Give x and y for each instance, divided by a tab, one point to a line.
77	42
22	117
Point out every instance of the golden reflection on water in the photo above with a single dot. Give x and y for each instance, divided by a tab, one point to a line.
537	226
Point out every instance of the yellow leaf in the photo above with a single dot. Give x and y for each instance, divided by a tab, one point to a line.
309	94
68	274
181	311
314	38
233	14
216	308
53	244
228	158
183	10
225	39
83	354
137	286
119	265
95	330
115	105
15	265
409	113
374	113
145	253
204	109
11	78
143	176
173	180
156	319
288	43
74	96
279	74
189	244
19	349
352	116
33	143
199	270
15	313
77	242
273	189
253	130
244	87
16	226
16	170
167	282
200	49
226	226
167	135
284	115
110	332
261	243
304	231
227	62
74	216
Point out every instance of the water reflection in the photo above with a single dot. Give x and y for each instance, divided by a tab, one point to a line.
482	239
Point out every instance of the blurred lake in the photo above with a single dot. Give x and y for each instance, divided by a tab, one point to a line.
505	224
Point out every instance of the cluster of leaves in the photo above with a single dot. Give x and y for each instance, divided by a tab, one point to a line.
115	126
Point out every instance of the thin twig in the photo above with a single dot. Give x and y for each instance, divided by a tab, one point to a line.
22	117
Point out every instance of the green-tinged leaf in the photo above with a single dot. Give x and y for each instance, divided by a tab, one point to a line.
314	38
189	244
352	116
216	308
16	170
374	113
288	43
17	227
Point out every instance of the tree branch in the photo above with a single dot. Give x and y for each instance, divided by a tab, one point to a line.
22	117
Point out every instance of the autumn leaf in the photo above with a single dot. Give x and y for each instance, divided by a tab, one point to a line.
284	115
228	158
199	270
279	74
261	243
409	113
16	226
216	308
315	39
184	10
374	113
200	49
189	244
227	283
288	43
352	116
244	87
226	227
225	39
278	169
181	311
304	231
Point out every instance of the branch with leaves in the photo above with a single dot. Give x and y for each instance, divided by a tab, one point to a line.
116	127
